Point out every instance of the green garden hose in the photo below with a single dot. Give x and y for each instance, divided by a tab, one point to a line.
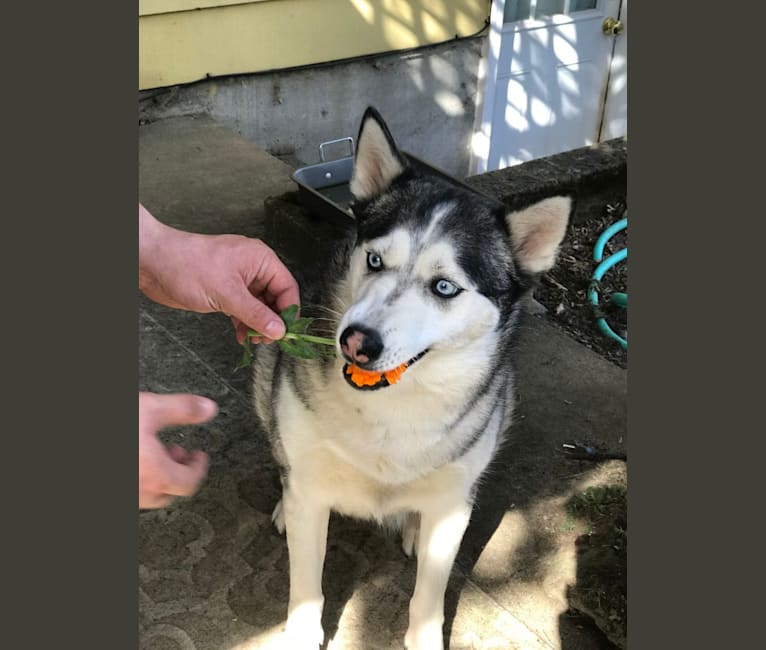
617	298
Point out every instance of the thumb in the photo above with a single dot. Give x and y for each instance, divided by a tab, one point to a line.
257	316
178	408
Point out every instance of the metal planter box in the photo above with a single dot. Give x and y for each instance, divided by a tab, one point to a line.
324	187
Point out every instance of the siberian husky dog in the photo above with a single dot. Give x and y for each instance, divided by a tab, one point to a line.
400	422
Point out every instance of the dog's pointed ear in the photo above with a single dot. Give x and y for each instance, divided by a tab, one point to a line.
537	232
377	161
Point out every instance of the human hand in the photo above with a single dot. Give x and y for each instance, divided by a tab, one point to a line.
238	276
168	472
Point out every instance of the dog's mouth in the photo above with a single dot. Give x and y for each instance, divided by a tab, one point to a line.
371	379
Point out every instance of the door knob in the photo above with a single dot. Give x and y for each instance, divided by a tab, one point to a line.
612	27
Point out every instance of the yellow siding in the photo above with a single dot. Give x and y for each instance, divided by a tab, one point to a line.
149	7
179	45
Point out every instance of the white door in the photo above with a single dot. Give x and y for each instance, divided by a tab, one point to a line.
547	79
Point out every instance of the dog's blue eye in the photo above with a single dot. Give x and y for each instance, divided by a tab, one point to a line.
445	289
374	262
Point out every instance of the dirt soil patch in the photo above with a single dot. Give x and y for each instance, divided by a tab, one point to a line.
600	593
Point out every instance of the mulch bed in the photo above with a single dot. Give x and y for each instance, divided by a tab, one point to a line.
563	291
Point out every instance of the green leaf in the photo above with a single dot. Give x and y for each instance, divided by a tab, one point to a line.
300	326
288	315
297	348
298	344
247	355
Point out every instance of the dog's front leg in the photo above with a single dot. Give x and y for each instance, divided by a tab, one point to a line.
440	534
306	525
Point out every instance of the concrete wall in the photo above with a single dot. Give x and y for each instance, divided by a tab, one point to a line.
427	97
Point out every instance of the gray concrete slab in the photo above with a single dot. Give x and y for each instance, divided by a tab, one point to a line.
212	569
196	174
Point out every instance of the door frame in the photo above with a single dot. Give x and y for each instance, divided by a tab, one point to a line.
614	114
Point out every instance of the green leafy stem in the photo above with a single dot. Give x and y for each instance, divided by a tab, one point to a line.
296	341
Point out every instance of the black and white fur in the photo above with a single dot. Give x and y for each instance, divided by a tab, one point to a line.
410	453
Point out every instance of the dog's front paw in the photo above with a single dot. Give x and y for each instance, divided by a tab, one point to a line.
426	636
303	630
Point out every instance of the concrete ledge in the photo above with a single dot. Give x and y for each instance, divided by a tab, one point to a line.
585	170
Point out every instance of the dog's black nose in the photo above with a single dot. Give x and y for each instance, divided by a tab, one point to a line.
360	344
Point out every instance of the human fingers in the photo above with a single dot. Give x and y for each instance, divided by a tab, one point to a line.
167	472
275	284
152	501
179	454
241	332
253	314
184	479
176	408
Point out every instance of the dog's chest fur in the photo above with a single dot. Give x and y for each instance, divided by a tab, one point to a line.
380	453
369	466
